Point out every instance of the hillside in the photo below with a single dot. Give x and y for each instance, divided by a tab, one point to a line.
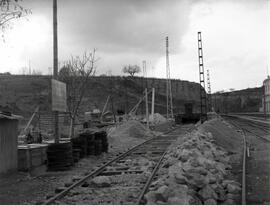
247	100
22	93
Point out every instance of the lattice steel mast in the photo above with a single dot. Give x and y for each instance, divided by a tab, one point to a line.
202	82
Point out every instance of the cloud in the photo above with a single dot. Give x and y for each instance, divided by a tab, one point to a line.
123	31
236	43
123	26
235	36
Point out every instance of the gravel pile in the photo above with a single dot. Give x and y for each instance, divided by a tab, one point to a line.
157	119
132	128
195	172
223	134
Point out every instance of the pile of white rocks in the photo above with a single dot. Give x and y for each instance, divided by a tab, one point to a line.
195	172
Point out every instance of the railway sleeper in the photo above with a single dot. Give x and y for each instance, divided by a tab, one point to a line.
120	172
148	152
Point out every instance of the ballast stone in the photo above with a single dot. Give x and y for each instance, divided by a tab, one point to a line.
101	181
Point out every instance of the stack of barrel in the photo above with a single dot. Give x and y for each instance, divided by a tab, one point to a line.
59	156
91	143
101	137
62	156
79	144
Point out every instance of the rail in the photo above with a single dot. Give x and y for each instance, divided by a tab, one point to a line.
244	126
255	124
243	193
102	168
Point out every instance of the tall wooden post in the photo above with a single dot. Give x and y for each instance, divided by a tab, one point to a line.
146	107
153	103
55	64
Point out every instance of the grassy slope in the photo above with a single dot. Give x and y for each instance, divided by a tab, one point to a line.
23	93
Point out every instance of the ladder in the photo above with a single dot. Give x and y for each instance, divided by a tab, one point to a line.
203	97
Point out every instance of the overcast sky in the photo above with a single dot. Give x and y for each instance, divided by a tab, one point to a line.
235	34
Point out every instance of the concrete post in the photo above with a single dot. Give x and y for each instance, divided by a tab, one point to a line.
55	64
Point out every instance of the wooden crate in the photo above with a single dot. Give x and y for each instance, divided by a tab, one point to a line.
31	156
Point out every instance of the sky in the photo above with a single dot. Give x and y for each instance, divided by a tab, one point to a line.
235	38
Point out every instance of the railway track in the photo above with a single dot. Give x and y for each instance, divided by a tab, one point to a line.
258	129
130	174
256	161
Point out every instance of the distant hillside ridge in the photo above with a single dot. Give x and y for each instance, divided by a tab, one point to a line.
246	100
23	93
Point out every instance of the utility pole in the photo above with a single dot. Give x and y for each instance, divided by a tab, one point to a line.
146	108
202	82
168	83
55	64
126	96
111	93
144	82
153	103
209	92
145	73
29	67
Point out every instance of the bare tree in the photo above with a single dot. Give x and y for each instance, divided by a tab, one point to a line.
36	72
23	70
75	73
131	69
9	10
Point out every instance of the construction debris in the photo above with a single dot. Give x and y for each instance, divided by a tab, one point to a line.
130	128
157	119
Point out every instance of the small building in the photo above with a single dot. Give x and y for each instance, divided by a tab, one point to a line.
8	142
266	97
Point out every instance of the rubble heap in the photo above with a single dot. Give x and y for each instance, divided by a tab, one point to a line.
195	172
132	128
157	119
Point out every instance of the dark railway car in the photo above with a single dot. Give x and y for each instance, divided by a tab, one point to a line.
189	116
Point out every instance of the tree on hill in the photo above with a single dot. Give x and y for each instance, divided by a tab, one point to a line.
75	73
131	69
64	72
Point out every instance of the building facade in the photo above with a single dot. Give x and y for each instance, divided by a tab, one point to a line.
266	97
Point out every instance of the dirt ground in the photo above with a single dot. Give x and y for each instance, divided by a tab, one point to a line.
258	171
30	188
257	161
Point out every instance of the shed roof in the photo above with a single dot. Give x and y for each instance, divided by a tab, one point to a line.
10	117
